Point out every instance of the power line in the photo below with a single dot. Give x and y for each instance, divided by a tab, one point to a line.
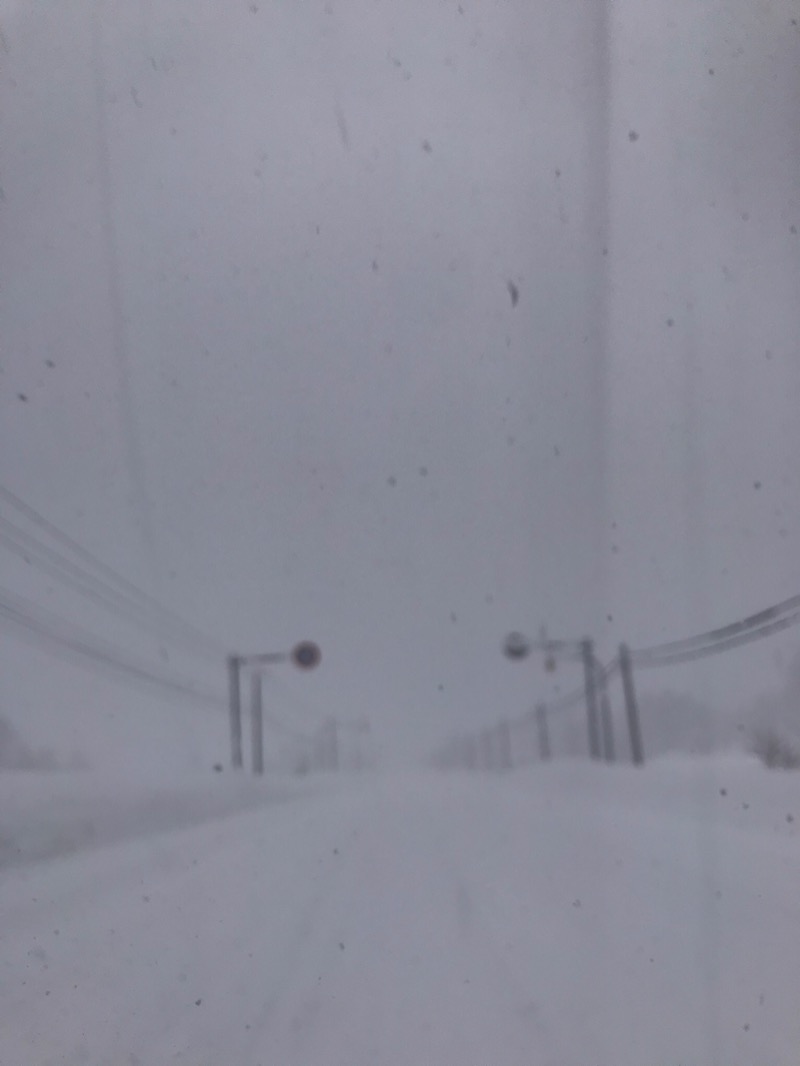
578	695
46	628
715	636
120	347
69	542
570	700
609	670
758	626
127	596
690	654
85	583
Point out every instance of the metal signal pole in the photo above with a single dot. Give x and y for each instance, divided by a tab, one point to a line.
517	646
590	683
257	722
305	656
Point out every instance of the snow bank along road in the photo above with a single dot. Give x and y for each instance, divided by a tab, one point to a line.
575	916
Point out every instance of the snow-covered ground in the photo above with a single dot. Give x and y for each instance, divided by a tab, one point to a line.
562	916
51	814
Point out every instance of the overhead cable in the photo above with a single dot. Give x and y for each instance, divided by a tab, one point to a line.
47	629
715	636
127	596
649	659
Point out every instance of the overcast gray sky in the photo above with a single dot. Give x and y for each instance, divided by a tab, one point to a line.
270	251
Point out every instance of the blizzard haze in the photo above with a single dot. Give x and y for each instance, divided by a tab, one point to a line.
269	254
399	327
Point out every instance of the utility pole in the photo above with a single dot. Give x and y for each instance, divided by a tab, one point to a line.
517	646
590	682
543	732
257	722
606	717
235	709
631	705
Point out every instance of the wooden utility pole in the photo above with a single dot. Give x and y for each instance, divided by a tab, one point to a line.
590	682
606	717
542	732
257	722
631	705
235	709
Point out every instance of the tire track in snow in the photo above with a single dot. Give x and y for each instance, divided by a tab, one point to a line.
475	923
396	970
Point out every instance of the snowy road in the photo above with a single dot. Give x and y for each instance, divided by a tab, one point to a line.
553	919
